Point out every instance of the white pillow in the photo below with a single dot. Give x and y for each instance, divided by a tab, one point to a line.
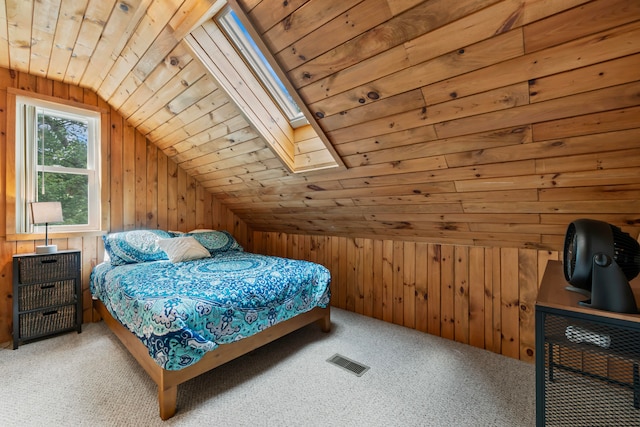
180	249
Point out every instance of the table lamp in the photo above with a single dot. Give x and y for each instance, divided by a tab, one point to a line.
44	213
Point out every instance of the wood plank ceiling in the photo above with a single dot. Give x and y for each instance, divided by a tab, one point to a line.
479	122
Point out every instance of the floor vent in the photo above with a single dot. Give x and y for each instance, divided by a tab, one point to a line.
352	366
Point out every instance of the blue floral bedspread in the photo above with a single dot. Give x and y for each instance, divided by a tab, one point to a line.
180	311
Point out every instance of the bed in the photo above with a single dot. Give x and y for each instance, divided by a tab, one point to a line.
185	303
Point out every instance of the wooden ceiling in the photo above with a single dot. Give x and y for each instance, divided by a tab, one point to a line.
479	122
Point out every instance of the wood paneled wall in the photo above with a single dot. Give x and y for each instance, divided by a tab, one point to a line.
480	296
484	297
147	190
471	122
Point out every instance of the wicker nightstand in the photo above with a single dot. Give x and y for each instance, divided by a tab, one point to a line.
47	297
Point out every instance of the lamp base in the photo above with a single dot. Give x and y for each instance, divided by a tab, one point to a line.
46	249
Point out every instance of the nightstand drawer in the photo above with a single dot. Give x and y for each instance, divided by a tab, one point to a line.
38	269
46	321
39	295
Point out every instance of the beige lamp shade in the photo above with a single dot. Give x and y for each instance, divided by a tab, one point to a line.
44	213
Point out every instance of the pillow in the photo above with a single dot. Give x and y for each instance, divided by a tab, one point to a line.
175	233
216	241
130	247
181	249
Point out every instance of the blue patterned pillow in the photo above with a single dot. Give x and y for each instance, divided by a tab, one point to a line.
216	241
130	247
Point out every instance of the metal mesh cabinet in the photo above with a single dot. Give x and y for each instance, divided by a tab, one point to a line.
47	296
587	360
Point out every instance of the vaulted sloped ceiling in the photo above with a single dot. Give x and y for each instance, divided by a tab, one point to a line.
480	122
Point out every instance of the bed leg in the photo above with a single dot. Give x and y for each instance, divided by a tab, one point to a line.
167	399
325	323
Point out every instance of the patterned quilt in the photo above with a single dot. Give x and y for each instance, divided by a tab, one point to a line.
180	311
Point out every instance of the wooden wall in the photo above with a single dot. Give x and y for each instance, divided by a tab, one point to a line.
147	190
484	297
481	296
470	122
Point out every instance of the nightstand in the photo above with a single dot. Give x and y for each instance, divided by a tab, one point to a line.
47	295
587	360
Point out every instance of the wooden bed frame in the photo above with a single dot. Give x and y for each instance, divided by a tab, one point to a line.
168	381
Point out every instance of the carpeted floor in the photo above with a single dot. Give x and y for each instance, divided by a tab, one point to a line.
414	379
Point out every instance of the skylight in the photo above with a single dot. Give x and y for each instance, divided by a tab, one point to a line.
237	33
229	47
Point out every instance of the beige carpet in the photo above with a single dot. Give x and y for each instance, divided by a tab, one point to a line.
414	380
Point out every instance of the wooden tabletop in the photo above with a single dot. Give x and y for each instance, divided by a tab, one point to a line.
553	294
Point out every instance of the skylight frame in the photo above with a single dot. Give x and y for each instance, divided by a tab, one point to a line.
301	149
232	27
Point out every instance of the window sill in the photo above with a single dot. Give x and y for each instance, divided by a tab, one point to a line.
53	236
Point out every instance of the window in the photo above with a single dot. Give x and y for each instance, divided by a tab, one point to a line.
57	159
237	33
261	97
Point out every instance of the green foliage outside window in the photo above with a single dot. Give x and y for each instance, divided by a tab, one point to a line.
62	142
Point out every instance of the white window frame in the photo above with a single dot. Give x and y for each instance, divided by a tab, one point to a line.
240	38
27	168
